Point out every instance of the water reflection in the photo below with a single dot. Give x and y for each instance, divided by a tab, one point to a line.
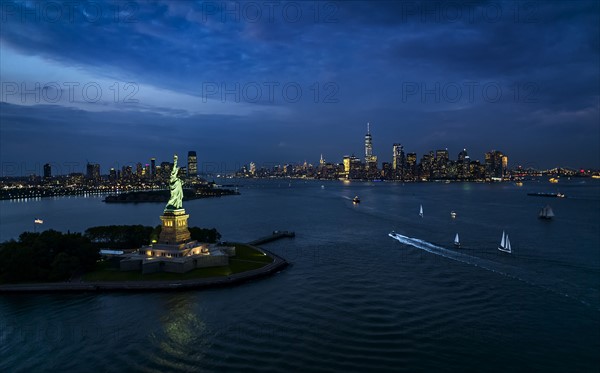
184	337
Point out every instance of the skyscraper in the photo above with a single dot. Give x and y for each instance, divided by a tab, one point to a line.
126	173
441	163
386	170
352	167
370	159
165	170
47	171
346	166
192	168
93	171
496	164
427	162
153	168
398	161
463	165
368	143
410	171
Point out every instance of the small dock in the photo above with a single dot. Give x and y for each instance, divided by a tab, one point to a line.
276	235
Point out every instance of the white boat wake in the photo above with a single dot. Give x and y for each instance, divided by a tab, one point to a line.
454	255
490	265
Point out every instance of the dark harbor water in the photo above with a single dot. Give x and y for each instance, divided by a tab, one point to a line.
354	299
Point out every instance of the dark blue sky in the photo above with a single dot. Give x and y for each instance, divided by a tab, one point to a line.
276	82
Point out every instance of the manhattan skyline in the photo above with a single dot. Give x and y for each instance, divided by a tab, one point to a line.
288	81
395	158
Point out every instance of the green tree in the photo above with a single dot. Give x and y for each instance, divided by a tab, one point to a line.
49	255
63	266
204	234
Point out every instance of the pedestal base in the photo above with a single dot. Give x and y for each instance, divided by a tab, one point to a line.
174	228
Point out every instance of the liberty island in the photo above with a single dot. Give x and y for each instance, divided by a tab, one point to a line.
175	251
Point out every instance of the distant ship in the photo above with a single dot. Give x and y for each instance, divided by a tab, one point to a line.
453	214
546	213
553	180
456	241
519	183
505	244
421	211
541	194
356	200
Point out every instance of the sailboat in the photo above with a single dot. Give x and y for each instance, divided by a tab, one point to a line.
421	211
456	241
505	243
546	213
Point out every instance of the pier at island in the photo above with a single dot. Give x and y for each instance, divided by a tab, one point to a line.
276	235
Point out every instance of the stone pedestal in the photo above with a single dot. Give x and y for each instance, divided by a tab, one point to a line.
175	251
174	228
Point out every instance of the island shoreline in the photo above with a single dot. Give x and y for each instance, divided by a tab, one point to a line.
275	266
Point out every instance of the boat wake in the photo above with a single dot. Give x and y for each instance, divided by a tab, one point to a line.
490	265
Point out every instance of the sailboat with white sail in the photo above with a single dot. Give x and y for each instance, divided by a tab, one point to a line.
421	211
456	241
505	243
546	213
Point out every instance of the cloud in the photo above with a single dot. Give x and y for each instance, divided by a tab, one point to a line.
174	50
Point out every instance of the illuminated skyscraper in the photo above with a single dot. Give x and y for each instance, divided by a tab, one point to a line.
352	167
370	159
165	170
410	171
463	165
427	162
398	161
192	168
346	166
441	163
112	175
139	170
368	143
496	164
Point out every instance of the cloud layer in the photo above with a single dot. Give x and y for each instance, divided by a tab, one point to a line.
287	81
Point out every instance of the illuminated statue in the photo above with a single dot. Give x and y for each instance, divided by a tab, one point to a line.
176	200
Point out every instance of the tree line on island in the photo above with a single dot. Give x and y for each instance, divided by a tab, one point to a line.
57	256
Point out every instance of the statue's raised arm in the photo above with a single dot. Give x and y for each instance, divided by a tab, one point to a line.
175	186
175	168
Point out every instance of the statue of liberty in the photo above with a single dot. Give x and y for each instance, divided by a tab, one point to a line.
176	200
